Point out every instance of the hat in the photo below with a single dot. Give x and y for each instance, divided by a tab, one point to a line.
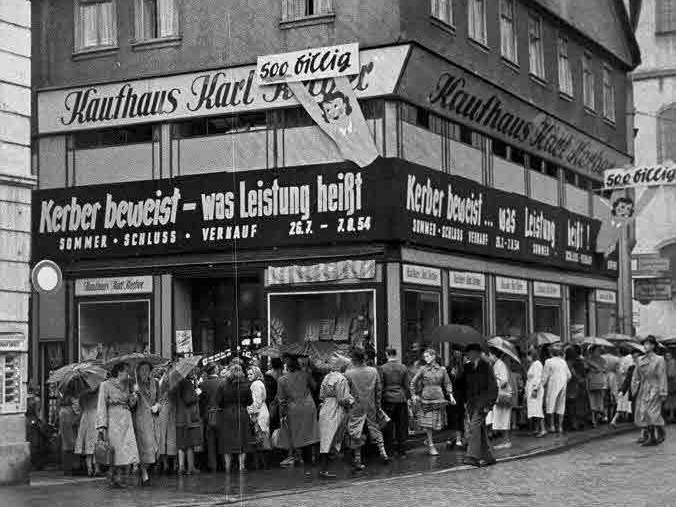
338	362
476	347
650	338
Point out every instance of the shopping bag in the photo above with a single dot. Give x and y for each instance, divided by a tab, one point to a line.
280	438
104	453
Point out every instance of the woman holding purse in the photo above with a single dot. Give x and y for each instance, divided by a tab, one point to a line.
535	394
114	421
260	415
501	415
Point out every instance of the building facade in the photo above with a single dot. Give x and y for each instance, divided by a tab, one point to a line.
220	212
655	104
16	184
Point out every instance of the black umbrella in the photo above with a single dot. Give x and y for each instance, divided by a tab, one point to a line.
457	334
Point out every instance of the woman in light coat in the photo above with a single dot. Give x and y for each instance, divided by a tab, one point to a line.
86	433
259	414
597	384
555	379
501	415
114	421
336	399
535	393
145	415
649	384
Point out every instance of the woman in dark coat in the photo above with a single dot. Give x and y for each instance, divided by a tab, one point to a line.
456	413
188	425
576	391
236	436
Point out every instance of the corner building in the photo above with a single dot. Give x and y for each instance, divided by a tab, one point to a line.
187	205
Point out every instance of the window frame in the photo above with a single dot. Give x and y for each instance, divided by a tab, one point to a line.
608	85
78	32
661	25
435	11
541	47
139	28
470	26
561	58
588	73
514	37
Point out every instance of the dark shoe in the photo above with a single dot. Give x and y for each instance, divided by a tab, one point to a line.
488	462
651	442
327	475
471	462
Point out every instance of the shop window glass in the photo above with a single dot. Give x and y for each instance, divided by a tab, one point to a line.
113	137
499	148
422	314
346	317
606	319
111	328
219	125
468	311
511	317
579	312
548	319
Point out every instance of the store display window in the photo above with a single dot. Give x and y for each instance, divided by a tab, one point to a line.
547	318
347	317
422	314
606	319
579	312
107	329
468	311
511	317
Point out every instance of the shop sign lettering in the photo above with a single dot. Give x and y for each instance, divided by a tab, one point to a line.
466	280
511	285
421	275
645	176
234	90
308	65
546	290
111	286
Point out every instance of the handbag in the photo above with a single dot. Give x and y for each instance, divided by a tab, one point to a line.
104	453
504	400
212	417
280	438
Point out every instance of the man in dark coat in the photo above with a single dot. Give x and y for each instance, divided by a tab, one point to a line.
481	391
211	414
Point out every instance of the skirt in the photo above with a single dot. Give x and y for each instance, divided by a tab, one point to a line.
431	418
597	399
188	437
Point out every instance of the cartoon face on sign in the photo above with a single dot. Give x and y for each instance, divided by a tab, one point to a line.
623	209
336	110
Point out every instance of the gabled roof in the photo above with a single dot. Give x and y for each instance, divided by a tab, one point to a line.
606	22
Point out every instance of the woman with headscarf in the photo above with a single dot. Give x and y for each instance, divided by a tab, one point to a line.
145	419
535	393
649	384
597	384
259	414
336	400
188	425
236	436
114	421
298	410
86	433
555	377
430	388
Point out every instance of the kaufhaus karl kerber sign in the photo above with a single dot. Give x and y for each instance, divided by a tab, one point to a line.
390	200
217	92
456	93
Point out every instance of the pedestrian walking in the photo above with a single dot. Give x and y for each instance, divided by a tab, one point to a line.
535	393
500	417
271	379
649	382
396	381
114	421
145	418
597	384
188	425
298	410
260	416
555	380
577	400
69	418
336	400
86	432
166	431
456	413
213	417
481	391
670	403
236	435
364	416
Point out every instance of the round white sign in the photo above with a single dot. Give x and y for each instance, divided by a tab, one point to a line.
46	276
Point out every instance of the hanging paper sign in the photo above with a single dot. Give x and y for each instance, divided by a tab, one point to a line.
623	212
308	65
642	176
184	341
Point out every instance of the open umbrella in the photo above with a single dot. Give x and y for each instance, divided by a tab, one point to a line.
633	346
618	337
134	359
178	371
612	362
270	351
594	340
504	346
315	350
78	378
457	334
542	338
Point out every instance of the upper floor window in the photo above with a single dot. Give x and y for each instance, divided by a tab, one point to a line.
476	11
220	125
101	138
535	47
565	74
665	16
508	31
443	10
588	82
156	19
666	134
95	24
608	94
297	9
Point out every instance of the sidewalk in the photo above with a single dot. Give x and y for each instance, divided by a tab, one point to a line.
52	489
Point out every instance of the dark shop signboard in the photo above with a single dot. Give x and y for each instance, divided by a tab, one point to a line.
312	204
455	213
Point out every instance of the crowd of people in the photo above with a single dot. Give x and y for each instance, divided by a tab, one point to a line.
231	415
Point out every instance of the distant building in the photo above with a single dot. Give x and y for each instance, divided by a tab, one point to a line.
16	183
655	143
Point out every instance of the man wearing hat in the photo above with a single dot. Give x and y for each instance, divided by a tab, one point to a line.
481	391
650	385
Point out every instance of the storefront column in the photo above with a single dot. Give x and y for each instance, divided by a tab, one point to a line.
565	313
530	316
445	307
163	324
394	307
591	305
490	305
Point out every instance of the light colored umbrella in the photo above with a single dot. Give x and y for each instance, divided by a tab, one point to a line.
543	338
618	337
78	378
594	340
178	371
505	346
134	359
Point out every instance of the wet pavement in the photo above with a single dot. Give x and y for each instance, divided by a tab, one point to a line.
52	489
